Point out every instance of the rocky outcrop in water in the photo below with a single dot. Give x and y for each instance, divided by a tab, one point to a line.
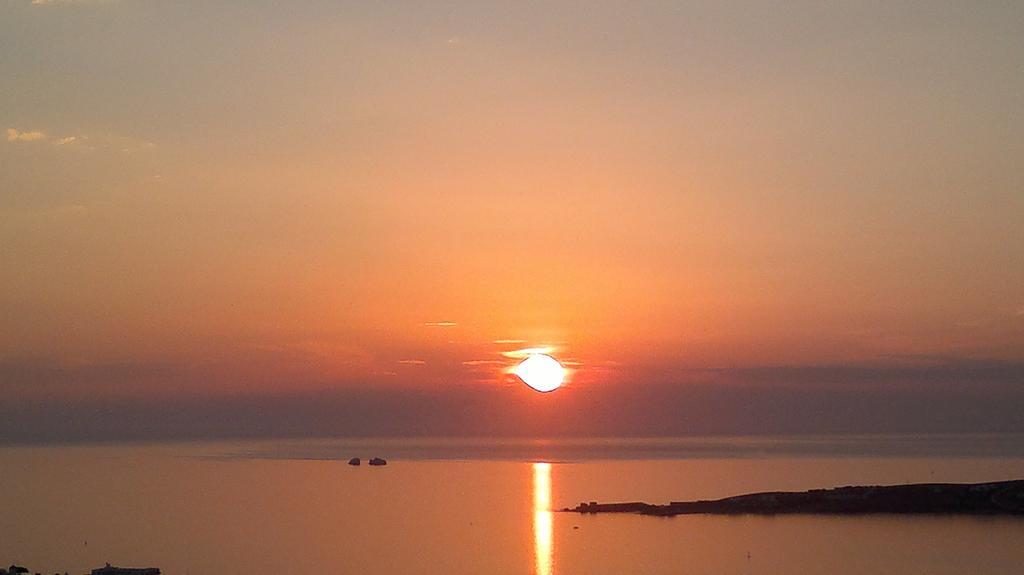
109	569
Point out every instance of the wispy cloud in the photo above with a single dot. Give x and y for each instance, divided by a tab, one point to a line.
70	210
440	324
411	362
508	341
112	142
14	135
520	353
473	362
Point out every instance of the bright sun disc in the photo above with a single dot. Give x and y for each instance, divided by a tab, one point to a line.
541	372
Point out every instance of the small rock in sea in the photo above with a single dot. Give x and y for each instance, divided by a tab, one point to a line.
378	461
354	461
109	569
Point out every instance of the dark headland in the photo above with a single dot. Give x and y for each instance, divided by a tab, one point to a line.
107	569
997	498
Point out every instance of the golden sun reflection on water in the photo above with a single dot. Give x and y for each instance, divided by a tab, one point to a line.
542	518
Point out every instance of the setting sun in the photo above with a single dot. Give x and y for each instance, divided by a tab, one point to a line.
541	372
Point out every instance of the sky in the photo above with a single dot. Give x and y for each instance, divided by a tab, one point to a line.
256	218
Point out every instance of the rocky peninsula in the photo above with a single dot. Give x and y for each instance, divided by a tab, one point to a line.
996	498
107	569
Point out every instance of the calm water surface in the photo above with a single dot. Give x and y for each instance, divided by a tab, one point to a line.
297	507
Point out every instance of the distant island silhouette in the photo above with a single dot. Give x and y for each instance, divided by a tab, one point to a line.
107	569
994	498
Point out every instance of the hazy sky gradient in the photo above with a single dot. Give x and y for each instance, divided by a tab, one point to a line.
243	199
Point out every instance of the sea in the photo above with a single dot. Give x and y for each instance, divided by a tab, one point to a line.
492	506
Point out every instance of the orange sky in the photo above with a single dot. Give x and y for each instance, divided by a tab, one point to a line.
292	198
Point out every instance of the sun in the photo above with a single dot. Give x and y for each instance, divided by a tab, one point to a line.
541	372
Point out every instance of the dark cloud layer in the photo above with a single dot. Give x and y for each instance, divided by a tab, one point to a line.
943	397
